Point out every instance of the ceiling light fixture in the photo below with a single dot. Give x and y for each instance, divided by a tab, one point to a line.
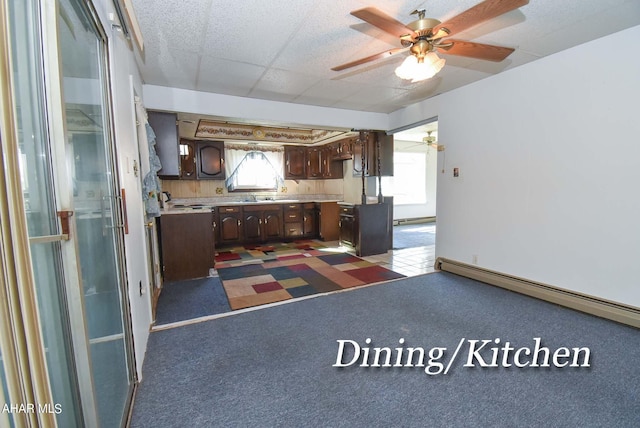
417	69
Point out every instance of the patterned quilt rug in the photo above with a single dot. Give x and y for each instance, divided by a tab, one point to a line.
257	275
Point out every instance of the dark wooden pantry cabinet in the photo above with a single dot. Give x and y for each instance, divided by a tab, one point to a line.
165	128
187	245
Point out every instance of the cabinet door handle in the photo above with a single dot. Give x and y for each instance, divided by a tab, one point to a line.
239	223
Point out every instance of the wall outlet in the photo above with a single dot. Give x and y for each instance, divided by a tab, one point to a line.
474	259
283	190
219	190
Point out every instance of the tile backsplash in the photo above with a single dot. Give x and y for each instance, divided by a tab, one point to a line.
217	188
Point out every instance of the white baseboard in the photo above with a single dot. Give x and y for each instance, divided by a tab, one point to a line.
592	305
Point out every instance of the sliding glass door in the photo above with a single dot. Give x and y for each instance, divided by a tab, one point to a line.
72	207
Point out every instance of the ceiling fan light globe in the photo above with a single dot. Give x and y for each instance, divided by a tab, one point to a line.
411	69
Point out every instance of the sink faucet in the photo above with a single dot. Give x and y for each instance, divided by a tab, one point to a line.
253	197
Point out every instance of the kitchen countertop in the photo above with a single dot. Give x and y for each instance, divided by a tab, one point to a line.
181	206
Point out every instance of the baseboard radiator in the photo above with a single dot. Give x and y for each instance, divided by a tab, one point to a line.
416	220
595	306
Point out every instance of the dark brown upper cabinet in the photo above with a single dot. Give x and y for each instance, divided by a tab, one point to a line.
311	163
343	149
165	127
188	160
316	162
295	162
210	160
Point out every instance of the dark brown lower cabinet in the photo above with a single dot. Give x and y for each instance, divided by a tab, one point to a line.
309	220
300	220
262	223
347	225
328	220
366	228
229	225
188	248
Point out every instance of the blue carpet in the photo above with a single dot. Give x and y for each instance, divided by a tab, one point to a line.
184	300
414	235
273	366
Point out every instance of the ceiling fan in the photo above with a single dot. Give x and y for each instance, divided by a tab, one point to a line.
426	36
432	142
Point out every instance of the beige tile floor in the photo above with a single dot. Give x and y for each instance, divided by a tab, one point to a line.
407	261
412	261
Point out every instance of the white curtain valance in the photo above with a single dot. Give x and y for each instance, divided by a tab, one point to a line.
254	148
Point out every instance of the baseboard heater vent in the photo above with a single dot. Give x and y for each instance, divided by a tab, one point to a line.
599	307
415	220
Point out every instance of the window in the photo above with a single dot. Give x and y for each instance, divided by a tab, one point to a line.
409	183
251	169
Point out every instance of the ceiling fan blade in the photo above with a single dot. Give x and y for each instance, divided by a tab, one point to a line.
369	58
475	50
479	13
383	21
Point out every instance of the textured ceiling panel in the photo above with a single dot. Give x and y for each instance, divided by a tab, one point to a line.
227	77
284	50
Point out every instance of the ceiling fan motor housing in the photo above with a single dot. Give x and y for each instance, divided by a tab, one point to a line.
423	26
422	44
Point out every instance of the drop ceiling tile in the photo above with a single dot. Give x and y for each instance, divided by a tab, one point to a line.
325	92
320	42
227	77
375	94
282	85
170	67
169	23
253	31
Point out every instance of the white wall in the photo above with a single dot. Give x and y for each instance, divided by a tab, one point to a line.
549	158
125	78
